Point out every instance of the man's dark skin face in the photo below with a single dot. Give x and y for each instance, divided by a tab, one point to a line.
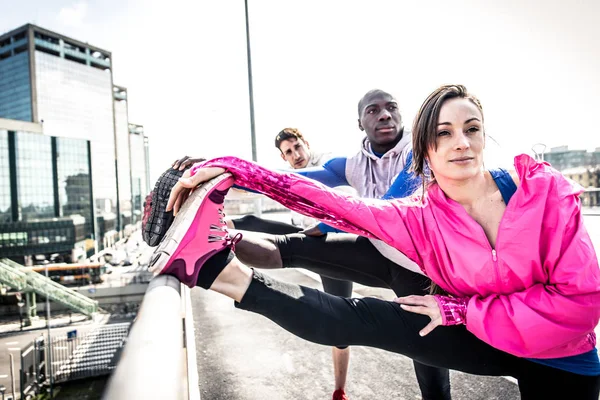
381	121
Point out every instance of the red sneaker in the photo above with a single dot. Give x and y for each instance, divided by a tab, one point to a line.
340	395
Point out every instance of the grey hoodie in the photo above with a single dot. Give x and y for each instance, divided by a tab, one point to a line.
372	176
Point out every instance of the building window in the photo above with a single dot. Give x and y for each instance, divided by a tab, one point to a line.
15	88
74	180
34	176
5	210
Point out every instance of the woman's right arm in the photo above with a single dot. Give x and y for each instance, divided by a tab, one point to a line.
394	222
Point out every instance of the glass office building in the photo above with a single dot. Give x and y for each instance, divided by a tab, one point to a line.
66	87
72	165
75	100
74	181
45	192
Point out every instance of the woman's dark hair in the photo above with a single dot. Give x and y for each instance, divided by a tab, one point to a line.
425	125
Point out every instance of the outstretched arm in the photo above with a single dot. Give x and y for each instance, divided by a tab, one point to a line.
332	174
379	219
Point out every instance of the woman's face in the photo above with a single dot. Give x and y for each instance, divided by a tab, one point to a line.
460	141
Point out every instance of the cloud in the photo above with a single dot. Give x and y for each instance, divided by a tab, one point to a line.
73	15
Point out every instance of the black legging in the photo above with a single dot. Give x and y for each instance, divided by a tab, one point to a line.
346	256
252	223
337	287
341	259
255	224
329	320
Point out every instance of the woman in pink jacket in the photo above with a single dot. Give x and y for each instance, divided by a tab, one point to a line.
517	272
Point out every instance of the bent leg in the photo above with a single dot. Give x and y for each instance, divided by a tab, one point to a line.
338	288
339	256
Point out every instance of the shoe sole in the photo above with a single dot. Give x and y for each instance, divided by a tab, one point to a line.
182	223
158	216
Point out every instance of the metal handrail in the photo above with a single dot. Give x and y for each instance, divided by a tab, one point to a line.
153	362
12	277
42	280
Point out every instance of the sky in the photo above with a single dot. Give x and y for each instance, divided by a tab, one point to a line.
533	64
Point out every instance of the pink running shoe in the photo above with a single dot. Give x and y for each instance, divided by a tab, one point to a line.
197	233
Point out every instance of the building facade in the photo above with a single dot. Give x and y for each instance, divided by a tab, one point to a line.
139	169
79	135
123	156
562	158
589	178
45	193
582	167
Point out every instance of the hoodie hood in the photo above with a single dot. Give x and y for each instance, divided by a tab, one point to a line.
396	150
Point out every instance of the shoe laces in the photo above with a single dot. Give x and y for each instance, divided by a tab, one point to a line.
232	241
222	228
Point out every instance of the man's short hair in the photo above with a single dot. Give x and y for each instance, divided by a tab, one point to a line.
372	92
286	134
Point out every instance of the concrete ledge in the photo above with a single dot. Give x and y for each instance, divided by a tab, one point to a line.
153	362
20	126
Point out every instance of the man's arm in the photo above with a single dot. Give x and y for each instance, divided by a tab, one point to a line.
332	173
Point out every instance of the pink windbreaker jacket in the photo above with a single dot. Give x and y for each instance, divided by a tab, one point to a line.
536	295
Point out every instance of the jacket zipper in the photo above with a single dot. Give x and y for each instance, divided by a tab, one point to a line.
496	269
